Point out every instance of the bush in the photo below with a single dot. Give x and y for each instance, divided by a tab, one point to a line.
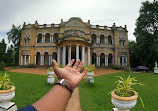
31	65
2	64
117	67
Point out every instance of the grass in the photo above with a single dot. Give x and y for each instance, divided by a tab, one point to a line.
29	87
93	97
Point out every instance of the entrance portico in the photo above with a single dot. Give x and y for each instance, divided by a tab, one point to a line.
71	50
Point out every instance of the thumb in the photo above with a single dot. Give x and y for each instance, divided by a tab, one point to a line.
55	65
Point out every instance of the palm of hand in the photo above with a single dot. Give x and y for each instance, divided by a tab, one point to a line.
71	74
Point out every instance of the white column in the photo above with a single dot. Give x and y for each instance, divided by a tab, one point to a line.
122	61
119	61
35	59
52	39
49	59
58	58
83	55
113	60
24	59
21	59
88	55
64	55
126	61
77	52
69	52
99	40
99	60
29	59
43	39
107	60
41	57
36	39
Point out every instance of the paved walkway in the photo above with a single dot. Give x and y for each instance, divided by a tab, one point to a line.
74	102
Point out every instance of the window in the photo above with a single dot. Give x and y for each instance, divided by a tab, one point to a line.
120	42
110	39
47	38
39	38
93	38
25	41
123	43
102	39
28	41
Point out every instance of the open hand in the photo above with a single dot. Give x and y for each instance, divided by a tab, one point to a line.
73	75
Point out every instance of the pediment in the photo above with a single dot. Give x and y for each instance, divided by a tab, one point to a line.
75	22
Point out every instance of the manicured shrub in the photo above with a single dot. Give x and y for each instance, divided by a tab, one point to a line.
31	65
2	64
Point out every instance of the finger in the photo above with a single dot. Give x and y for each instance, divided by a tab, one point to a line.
55	65
70	63
76	64
84	72
80	66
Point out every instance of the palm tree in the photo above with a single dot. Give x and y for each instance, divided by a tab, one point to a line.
14	36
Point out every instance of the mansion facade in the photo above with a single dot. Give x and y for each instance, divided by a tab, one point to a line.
74	39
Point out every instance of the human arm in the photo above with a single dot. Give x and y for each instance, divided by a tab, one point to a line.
57	98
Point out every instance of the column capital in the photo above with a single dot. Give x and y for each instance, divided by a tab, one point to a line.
77	44
83	46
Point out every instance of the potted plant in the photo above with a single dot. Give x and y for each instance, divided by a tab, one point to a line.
50	71
124	97
90	73
7	91
90	70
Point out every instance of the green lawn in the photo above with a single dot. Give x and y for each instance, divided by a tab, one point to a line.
30	87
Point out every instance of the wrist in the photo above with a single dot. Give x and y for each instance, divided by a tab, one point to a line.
65	83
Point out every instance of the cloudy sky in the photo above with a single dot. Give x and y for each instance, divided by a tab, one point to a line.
99	12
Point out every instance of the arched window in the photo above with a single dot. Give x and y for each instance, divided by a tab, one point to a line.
25	41
39	38
102	59
54	56
102	39
46	58
109	39
38	58
123	42
28	40
93	38
94	56
110	60
47	38
55	38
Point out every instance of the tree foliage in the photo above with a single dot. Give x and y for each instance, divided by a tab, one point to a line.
146	33
14	35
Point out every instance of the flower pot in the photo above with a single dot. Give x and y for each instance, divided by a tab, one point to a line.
7	95
90	74
90	79
124	103
50	73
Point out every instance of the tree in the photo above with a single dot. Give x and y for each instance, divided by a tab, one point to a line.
3	46
14	35
146	33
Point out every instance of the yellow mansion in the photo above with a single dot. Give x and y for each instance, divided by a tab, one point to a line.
74	39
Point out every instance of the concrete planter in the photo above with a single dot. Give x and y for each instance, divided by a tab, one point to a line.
51	78
50	73
90	79
90	74
123	103
5	97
